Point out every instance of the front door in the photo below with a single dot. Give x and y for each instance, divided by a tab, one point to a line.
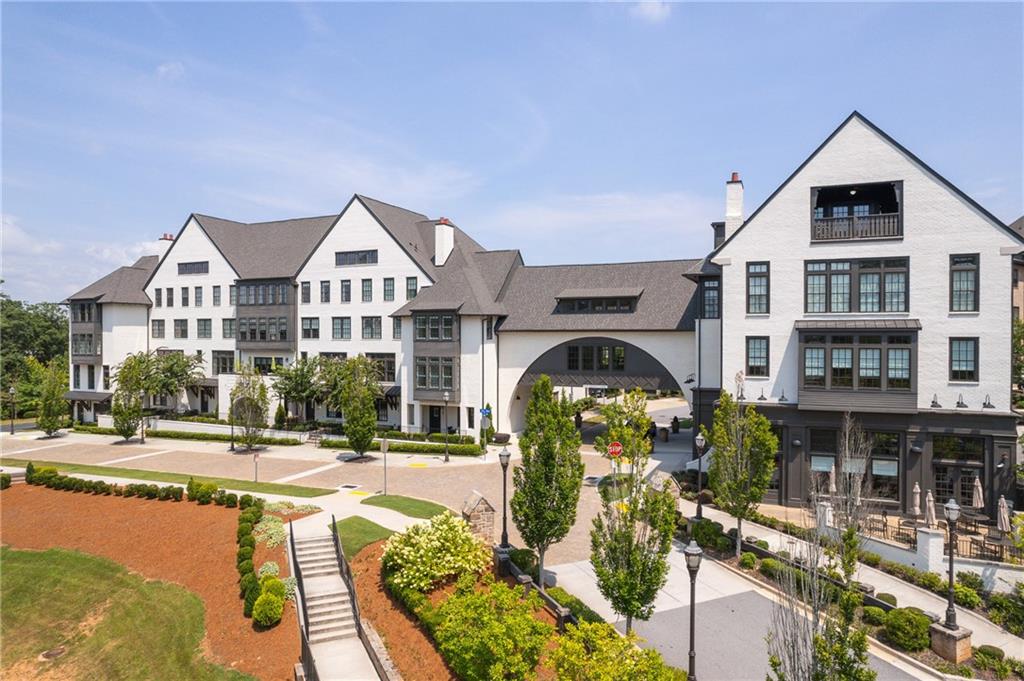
204	402
310	410
954	481
435	420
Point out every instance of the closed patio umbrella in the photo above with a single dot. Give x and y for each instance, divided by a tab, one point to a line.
1003	521
978	498
915	501
929	509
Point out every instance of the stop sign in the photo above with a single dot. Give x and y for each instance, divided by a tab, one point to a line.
614	449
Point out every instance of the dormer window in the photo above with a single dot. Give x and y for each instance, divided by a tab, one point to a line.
597	301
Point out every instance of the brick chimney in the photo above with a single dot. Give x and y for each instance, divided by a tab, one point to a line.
733	204
444	240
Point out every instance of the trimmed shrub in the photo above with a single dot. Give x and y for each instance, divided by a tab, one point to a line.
748	560
243	530
577	607
247	540
244	567
761	544
244	553
247	582
245	501
30	470
408	447
231	500
1007	610
267	610
706	532
216	437
269	568
870	559
427	553
218	497
770	568
250	599
929	580
525	560
887	598
971	580
873	615
907	629
990	651
5	480
272	585
965	596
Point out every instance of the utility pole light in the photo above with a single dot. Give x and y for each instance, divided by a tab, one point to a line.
503	456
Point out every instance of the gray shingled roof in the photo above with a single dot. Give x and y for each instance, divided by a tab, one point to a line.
625	292
469	282
1018	224
123	285
266	249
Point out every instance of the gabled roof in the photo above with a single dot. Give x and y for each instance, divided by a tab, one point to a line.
266	250
123	285
856	115
468	282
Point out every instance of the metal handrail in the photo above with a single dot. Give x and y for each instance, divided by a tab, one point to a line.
306	655
346	577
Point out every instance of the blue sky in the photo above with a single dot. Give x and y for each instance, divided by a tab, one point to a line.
574	132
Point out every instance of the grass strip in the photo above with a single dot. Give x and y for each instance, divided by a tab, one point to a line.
180	478
414	508
356	533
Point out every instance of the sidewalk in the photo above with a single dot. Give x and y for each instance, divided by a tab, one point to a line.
984	631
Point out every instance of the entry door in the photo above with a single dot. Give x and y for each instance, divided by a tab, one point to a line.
435	420
204	402
957	482
310	410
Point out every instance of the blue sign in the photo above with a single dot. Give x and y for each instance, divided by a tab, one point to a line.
485	412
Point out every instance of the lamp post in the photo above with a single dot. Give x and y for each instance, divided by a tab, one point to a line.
234	403
693	555
446	396
952	512
14	406
384	451
503	456
142	421
700	442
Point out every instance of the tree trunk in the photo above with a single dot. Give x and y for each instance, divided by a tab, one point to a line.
739	536
540	569
629	624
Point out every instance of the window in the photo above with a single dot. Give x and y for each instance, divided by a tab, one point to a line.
757	356
77	376
572	362
898	370
194	267
371	327
157	328
184	296
619	358
381	405
341	328
866	362
884	479
170	297
86	312
595	305
389	288
588	358
106	377
325	291
367	290
434	373
435	327
869	368
963	359
282	328
227	328
223	362
958	448
411	287
842	367
232	295
346	291
396	328
282	293
310	327
386	363
216	296
261	294
159	297
342	258
265	365
305	292
963	283
470	413
82	344
181	328
710	300
91	370
867	285
204	328
604	358
757	288
198	296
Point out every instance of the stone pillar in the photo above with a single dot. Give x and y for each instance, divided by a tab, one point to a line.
479	513
953	645
930	545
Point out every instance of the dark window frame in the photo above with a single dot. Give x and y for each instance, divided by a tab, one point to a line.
976	371
884	341
304	287
197	267
767	356
857	267
711	309
767	276
349	258
974	267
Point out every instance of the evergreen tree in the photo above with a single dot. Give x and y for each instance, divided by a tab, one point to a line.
632	535
547	482
351	386
53	408
743	459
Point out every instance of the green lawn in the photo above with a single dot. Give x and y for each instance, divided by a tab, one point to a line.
356	532
182	478
114	624
414	508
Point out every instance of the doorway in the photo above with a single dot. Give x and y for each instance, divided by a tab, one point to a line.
434	424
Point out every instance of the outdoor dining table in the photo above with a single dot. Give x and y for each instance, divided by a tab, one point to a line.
972	520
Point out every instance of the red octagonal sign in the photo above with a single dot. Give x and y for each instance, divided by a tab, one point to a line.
614	449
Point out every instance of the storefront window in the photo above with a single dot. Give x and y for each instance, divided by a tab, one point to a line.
958	448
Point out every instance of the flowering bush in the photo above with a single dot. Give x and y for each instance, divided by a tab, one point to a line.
430	552
269	529
269	568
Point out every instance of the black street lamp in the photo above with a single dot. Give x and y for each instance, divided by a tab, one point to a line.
142	421
693	555
700	442
952	512
14	406
446	396
503	456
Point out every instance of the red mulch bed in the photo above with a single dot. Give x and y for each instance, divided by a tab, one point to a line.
180	542
408	643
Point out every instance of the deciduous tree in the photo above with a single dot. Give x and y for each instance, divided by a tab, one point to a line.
126	410
351	385
298	382
547	482
249	404
53	408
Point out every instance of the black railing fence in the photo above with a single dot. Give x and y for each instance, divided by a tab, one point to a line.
305	654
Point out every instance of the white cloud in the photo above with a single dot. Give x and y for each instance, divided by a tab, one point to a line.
170	70
652	11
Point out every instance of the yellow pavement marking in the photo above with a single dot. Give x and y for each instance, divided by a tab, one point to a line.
417	465
360	494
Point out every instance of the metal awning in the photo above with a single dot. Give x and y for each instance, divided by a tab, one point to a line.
208	382
87	396
857	325
393	391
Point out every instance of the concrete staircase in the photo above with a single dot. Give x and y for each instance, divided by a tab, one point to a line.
328	604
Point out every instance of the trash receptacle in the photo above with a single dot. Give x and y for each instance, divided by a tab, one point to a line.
663	434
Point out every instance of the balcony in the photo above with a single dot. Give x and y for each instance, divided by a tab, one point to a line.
879	226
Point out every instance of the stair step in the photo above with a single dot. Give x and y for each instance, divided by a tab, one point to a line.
324	551
333	636
315	630
319	562
333	611
337	601
340	618
323	597
319	572
305	541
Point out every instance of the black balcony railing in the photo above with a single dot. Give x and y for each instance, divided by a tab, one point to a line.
877	226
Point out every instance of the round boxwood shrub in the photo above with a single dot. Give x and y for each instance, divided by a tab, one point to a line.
873	615
231	500
966	596
869	558
770	568
748	560
250	599
267	610
907	630
245	501
990	651
244	553
243	530
272	585
244	567
930	581
971	579
247	582
247	540
887	598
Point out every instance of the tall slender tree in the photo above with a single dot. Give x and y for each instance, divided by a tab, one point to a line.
547	482
53	408
351	386
249	404
743	459
632	535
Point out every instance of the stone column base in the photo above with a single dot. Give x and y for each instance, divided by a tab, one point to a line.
953	645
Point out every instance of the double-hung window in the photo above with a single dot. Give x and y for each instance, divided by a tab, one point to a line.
758	288
839	286
389	288
198	297
232	295
842	367
963	359
367	290
396	328
867	285
963	283
216	296
371	328
184	296
341	328
181	328
435	373
757	356
159	297
204	328
227	329
305	292
411	288
158	328
170	297
711	308
864	362
346	291
310	327
325	291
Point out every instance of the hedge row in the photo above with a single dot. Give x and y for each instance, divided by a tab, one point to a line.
49	477
5	480
408	447
186	435
263	597
429	437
